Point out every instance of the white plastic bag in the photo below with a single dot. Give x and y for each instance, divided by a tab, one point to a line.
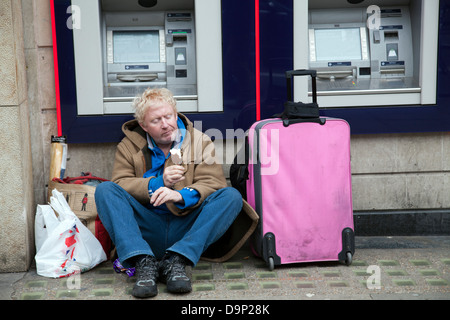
64	245
45	220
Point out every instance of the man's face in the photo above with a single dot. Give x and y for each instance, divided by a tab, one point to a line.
160	122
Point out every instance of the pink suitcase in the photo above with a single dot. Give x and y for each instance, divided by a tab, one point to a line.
300	185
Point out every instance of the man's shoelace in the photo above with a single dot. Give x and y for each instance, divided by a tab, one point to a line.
176	267
146	268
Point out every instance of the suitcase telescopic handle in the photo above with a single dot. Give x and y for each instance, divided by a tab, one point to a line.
301	72
295	112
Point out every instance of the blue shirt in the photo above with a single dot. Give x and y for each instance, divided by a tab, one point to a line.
190	196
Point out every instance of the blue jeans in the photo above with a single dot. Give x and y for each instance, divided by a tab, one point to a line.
136	230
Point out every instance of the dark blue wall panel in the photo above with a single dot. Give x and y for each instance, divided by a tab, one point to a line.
276	48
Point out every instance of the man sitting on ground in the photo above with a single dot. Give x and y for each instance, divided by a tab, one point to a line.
163	207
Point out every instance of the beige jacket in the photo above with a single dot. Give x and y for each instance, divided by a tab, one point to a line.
203	174
133	159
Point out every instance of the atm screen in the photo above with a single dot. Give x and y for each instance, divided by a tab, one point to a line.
136	46
342	44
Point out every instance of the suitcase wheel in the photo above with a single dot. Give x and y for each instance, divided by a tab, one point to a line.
269	251
271	263
348	259
348	246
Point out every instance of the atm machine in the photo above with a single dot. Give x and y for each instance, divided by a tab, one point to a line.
353	57
371	53
149	50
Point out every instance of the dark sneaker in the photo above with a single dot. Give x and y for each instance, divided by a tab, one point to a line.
147	274
173	273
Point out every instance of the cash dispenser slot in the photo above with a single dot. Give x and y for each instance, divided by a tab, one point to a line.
337	73
397	68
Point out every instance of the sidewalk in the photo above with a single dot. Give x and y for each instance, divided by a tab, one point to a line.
396	268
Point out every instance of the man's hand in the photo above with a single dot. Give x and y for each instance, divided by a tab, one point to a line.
163	195
173	175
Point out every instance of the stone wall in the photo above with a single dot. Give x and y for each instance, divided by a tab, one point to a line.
16	178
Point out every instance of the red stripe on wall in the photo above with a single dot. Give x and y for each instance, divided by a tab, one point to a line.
257	62
55	63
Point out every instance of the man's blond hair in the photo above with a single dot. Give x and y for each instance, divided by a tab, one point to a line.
152	97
